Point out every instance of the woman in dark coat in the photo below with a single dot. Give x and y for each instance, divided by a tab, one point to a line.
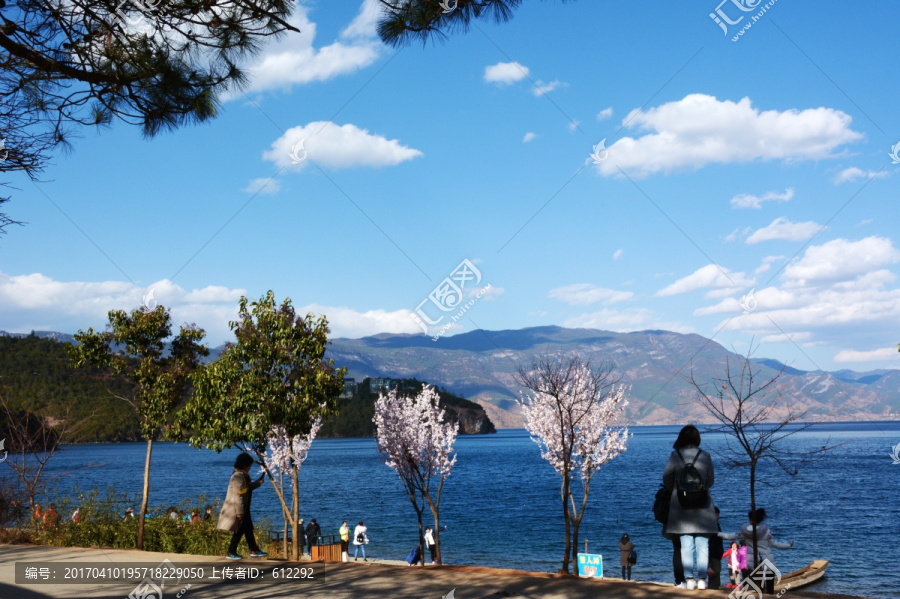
235	513
625	547
694	525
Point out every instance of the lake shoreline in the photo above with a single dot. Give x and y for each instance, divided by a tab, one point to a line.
338	580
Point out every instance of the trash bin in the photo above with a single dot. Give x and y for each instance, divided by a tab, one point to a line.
326	549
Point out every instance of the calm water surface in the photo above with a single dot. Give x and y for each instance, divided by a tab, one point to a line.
501	504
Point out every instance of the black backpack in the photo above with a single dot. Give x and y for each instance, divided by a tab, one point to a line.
691	486
361	538
632	557
661	504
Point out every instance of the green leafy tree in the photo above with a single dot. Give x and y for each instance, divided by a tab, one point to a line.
274	375
134	345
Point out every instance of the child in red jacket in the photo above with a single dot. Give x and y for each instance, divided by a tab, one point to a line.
737	561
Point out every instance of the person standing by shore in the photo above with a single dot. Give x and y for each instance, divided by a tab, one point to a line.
692	515
360	539
765	542
429	543
625	548
345	541
313	532
235	513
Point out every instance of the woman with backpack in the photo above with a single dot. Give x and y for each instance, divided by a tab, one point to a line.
360	540
625	549
692	517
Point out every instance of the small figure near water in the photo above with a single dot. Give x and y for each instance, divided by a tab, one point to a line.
313	532
345	541
429	543
51	517
764	544
129	513
207	516
625	549
360	540
737	563
235	513
692	517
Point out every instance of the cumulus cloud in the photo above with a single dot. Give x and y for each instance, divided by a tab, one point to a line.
37	302
853	173
618	254
505	73
717	279
528	137
782	228
875	355
840	291
746	200
700	130
766	264
293	59
841	259
263	186
337	146
605	114
585	294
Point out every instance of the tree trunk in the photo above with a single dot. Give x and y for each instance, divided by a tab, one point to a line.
436	513
421	539
568	518
437	539
753	511
143	514
295	512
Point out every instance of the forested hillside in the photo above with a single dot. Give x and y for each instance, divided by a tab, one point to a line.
36	375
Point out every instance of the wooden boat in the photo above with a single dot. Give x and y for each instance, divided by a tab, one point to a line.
802	577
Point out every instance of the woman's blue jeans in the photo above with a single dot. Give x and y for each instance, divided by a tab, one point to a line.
695	556
356	551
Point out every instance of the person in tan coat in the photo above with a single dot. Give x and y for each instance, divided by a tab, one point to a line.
235	513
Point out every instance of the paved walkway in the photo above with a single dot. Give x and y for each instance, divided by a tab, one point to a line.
353	580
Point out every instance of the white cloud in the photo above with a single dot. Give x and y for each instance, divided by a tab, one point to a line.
841	259
700	130
366	22
613	320
766	264
746	200
585	293
711	277
875	355
293	58
782	228
542	88
504	73
838	292
737	233
853	173
618	254
528	137
263	186
38	302
337	147
573	125
605	114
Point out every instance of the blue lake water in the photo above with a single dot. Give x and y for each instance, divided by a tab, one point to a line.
502	508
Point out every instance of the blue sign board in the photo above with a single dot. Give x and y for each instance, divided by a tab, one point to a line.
590	565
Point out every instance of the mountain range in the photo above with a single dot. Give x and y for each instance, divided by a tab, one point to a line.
655	365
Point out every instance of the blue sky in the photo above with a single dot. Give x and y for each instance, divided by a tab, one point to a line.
759	165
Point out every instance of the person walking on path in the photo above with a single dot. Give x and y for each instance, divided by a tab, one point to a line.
359	541
625	549
765	542
715	562
313	532
345	541
692	517
737	563
235	513
429	543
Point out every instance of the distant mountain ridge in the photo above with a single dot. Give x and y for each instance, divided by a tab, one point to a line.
480	365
